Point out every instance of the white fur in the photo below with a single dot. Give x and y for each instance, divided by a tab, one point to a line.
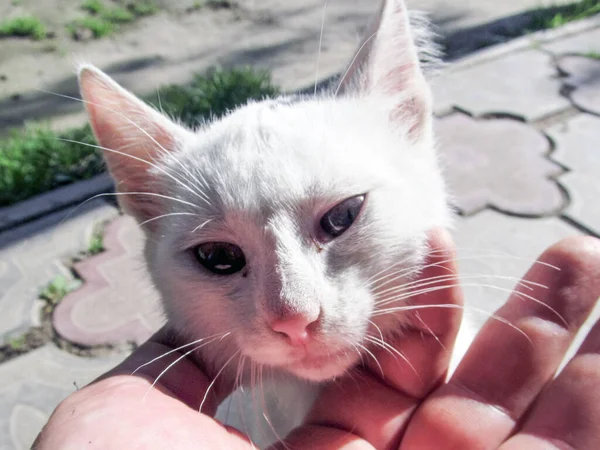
262	178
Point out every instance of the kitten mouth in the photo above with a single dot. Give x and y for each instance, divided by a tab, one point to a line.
323	367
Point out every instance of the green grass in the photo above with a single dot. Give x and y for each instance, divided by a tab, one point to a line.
561	15
35	159
96	244
98	27
104	17
93	6
593	55
58	289
17	343
214	94
23	26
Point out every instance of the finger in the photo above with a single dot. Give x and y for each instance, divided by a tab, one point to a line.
120	412
322	438
171	372
575	394
365	408
504	370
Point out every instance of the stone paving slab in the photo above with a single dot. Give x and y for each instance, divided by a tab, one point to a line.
584	80
578	148
30	258
523	84
501	163
117	303
32	385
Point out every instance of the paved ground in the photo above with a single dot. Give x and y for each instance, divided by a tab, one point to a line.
168	47
518	130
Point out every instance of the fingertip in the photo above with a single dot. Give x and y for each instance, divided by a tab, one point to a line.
440	240
441	248
575	253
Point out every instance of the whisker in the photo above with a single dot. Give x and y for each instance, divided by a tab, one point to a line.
374	358
393	351
151	164
197	341
371	280
407	272
412	270
418	316
136	125
356	349
442	278
451	306
167	215
494	253
117	194
201	225
239	374
378	329
462	285
347	72
173	363
320	46
212	383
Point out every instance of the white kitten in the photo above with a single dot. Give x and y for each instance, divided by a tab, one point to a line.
265	228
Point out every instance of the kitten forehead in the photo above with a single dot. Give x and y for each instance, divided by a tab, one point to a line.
274	154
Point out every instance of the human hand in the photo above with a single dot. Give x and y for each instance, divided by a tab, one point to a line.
502	396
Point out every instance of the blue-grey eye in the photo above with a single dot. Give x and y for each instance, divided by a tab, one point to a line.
221	258
339	218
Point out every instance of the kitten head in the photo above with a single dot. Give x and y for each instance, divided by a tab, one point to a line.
284	223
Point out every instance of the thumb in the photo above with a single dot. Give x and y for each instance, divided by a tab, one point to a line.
170	367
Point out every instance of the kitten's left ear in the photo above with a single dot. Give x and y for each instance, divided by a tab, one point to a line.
134	137
387	65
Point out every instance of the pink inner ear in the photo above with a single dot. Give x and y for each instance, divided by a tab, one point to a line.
391	68
134	137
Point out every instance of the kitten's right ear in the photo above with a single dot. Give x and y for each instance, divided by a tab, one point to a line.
134	137
387	66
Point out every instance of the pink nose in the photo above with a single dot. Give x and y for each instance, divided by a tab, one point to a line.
295	327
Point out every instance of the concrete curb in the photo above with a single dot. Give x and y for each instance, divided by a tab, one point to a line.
534	40
54	200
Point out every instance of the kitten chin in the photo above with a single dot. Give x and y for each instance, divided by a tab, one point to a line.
325	367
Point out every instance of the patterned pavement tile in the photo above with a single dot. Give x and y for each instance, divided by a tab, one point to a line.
117	302
32	385
578	148
498	162
584	80
523	84
581	43
30	259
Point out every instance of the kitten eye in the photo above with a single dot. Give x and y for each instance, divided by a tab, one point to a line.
341	216
221	258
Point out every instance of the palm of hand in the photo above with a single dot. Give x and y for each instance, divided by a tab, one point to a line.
502	395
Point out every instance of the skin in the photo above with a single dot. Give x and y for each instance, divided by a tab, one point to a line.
502	396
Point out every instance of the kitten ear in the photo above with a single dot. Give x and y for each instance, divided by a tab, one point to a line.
134	137
387	65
